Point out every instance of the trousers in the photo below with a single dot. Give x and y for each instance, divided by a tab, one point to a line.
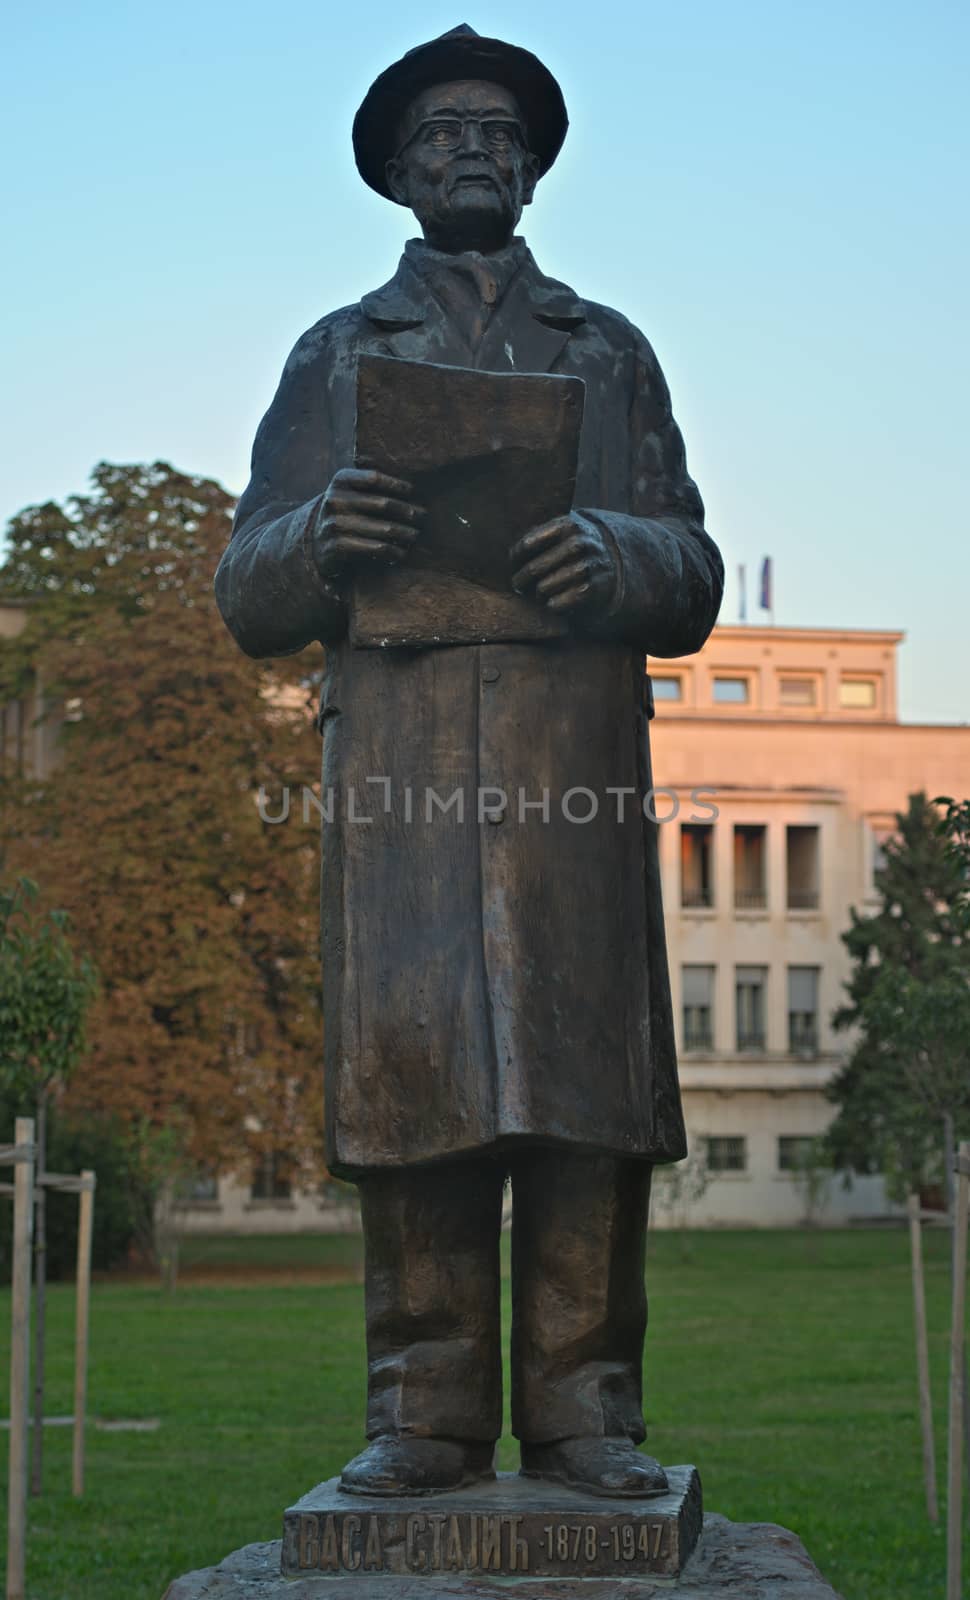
579	1308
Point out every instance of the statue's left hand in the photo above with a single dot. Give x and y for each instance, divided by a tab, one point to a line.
566	565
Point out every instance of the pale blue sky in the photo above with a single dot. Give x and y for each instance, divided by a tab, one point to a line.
775	192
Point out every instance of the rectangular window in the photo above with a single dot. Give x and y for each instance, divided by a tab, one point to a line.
203	1189
858	694
270	1179
750	857
731	691
797	691
726	1153
750	988
875	838
794	1150
668	688
13	723
803	1011
697	994
802	867
696	864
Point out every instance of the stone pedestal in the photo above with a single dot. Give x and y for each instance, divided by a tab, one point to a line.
514	1527
732	1561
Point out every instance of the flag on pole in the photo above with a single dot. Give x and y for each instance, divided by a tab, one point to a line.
766	600
743	591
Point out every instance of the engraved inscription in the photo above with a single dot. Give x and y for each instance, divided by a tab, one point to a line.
578	1543
472	1542
355	1545
469	1543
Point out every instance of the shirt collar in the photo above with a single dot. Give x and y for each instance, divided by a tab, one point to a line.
403	302
490	275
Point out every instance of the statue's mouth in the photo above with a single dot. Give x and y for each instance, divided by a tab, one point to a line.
475	178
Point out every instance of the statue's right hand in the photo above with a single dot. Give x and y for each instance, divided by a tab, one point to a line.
365	516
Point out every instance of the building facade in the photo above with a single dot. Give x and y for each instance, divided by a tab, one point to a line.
792	736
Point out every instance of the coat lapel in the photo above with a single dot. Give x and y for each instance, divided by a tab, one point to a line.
532	326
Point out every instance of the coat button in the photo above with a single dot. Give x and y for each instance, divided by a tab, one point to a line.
490	674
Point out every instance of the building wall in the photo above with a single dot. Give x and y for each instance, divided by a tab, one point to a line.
842	770
28	734
233	1210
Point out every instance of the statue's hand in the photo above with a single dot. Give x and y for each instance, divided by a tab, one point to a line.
365	516
566	565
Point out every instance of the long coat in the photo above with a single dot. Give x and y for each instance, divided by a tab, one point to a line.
495	977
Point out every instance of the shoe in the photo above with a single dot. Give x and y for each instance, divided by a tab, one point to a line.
397	1464
596	1465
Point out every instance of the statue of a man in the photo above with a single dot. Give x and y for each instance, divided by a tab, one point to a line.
496	995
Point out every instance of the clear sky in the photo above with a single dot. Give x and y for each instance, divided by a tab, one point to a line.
774	190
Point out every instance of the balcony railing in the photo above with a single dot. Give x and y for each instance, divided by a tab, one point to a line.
750	899
803	1041
803	899
751	1039
691	899
698	1039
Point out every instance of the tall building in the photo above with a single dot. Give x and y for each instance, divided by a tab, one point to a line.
793	738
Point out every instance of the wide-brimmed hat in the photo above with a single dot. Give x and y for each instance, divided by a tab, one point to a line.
461	53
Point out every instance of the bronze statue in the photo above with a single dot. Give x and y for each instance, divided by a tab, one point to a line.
496	995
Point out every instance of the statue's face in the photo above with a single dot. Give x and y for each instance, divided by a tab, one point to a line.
463	165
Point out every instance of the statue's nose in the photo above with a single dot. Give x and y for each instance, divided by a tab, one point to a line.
473	139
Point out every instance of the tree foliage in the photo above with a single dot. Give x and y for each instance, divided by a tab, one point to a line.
909	1002
45	992
199	916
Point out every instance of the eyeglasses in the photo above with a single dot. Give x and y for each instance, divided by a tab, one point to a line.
448	133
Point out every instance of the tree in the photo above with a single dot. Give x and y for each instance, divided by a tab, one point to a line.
909	997
45	993
198	915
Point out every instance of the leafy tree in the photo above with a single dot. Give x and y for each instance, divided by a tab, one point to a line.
198	915
45	992
909	999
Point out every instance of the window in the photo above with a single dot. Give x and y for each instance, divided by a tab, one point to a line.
858	694
803	1011
750	891
797	692
802	867
13	725
696	864
794	1151
671	688
731	691
203	1189
697	991
726	1153
270	1180
750	986
875	838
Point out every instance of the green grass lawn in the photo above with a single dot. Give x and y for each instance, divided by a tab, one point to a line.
781	1363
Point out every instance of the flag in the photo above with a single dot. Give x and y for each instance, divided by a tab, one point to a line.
743	601
766	604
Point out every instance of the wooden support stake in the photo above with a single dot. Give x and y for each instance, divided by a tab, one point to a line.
922	1357
23	1228
954	1488
85	1226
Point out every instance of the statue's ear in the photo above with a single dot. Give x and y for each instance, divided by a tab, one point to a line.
395	174
530	177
